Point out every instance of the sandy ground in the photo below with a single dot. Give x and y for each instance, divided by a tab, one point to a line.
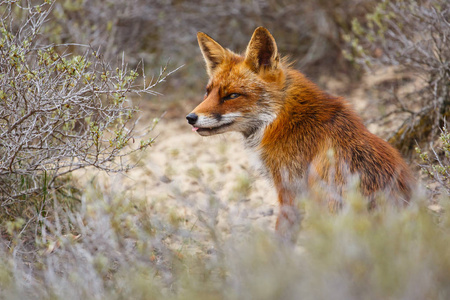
186	176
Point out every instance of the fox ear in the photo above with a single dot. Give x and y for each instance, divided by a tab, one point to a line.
213	53
262	51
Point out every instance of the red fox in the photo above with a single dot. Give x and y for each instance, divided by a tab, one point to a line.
302	138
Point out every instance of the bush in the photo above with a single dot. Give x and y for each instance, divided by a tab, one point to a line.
437	165
411	37
59	112
117	247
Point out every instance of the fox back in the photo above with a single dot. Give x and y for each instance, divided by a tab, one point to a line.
300	137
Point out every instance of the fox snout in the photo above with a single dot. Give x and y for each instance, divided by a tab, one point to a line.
212	123
192	118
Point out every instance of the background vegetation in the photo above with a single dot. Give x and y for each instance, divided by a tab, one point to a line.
71	86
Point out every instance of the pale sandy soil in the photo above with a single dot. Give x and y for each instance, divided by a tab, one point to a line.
200	181
186	170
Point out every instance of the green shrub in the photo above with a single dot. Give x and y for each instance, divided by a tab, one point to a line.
59	112
412	38
437	165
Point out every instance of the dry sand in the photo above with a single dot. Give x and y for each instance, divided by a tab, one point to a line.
188	176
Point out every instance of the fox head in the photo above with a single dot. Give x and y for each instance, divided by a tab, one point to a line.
241	89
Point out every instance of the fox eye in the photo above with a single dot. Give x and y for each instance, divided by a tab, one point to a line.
231	96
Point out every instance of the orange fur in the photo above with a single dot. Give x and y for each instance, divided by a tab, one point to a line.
303	138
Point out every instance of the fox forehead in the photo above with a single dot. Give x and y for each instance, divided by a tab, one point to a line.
232	75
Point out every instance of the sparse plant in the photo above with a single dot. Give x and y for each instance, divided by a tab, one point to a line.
60	112
242	187
412	37
437	164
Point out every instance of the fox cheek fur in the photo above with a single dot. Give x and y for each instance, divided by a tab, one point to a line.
233	104
291	127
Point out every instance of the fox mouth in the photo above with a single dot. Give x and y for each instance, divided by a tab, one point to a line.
211	130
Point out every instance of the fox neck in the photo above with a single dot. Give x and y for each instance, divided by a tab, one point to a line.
301	111
255	132
296	95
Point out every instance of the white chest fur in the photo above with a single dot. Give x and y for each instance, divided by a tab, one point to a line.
252	146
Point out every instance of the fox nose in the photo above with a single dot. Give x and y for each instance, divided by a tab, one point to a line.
192	118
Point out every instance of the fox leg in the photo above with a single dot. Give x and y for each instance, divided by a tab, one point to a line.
288	221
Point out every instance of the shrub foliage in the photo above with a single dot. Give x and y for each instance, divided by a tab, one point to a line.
59	112
411	37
